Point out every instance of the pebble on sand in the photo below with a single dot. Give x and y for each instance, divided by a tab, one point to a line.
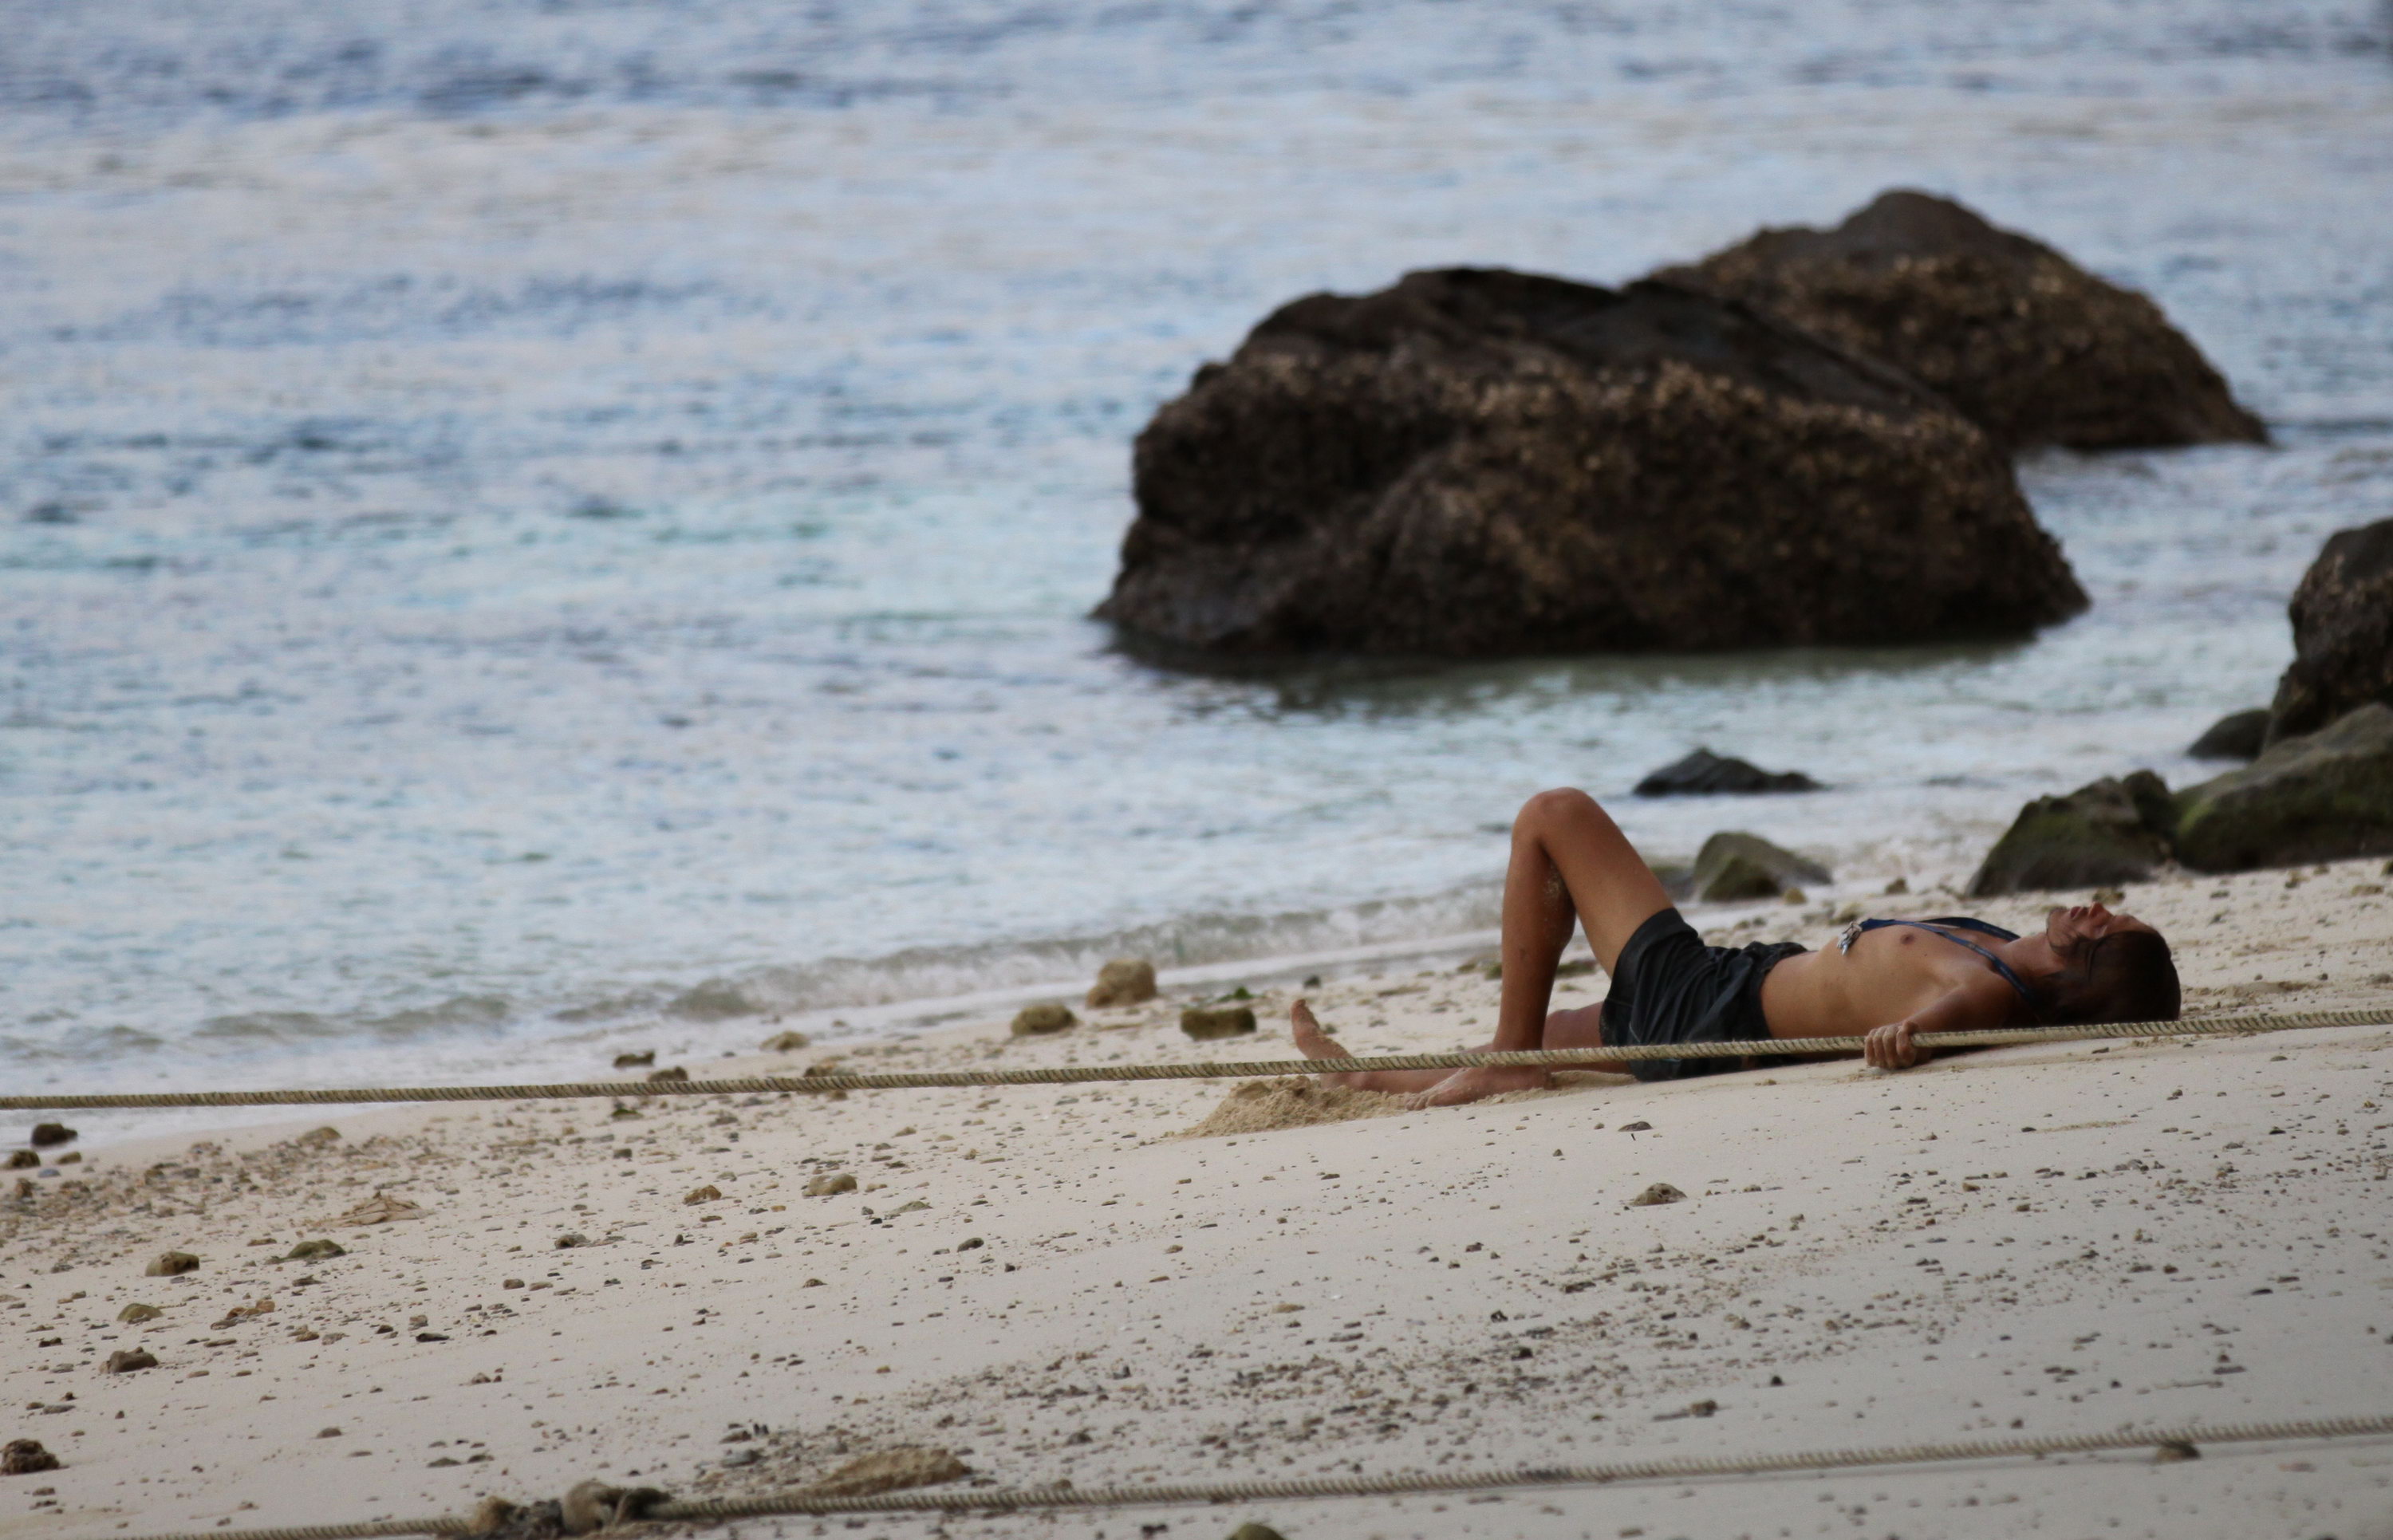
308	1251
1661	1191
707	1194
124	1360
670	1072
829	1184
1124	981
1036	1021
381	1209
47	1134
166	1264
1207	1022
24	1457
784	1042
134	1315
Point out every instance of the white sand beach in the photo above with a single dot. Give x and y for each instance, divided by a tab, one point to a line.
1064	1284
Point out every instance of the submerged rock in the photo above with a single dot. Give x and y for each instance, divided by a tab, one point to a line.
1480	463
2321	796
2343	633
1203	1022
1734	866
1704	773
1036	1021
1124	981
2238	735
2030	347
2110	830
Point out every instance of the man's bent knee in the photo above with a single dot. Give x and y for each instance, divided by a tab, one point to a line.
1557	806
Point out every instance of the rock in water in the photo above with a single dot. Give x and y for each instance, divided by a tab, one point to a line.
1036	1021
2321	796
2111	830
1734	866
2343	632
1229	1021
48	1134
26	1457
1478	463
2033	348
2238	735
1124	981
1704	773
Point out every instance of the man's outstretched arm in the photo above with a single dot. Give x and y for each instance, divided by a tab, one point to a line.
1980	1005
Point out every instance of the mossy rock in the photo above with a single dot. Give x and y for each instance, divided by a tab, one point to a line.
2107	831
2325	796
1734	867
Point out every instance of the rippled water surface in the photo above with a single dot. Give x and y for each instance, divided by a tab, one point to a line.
512	511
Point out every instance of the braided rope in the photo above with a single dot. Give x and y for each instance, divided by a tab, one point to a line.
1005	1500
1241	1069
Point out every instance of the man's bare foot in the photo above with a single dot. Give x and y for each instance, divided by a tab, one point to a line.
1313	1043
1472	1085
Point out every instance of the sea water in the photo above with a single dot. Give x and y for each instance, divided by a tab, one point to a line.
530	529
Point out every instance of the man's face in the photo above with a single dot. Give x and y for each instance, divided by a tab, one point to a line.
2071	930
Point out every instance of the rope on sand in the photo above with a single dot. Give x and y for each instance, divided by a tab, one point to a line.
1244	1069
2177	1444
2242	1025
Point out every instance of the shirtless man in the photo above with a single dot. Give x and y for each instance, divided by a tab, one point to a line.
1885	980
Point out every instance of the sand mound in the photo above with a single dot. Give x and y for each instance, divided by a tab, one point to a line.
890	1470
1259	1106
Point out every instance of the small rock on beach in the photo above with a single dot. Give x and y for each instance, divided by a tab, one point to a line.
1659	1192
1124	981
2238	735
25	1458
167	1265
127	1360
829	1185
1734	866
47	1134
1036	1021
1206	1022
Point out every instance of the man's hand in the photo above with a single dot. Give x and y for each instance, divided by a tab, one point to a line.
1891	1048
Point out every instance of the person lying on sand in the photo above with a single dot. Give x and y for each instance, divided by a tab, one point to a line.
1883	979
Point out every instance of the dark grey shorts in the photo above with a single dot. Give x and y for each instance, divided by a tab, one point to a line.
1669	987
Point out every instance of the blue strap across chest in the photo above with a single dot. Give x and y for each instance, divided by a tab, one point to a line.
1946	925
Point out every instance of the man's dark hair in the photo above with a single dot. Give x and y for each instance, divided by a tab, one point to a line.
2125	976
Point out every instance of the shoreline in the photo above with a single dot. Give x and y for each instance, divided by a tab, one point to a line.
1066	1282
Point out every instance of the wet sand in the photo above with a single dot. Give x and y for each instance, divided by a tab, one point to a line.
1067	1284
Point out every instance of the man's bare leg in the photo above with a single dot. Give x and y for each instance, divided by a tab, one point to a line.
1570	865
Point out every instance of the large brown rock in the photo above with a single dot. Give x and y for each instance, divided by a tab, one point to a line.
2343	633
2032	346
2325	796
1478	463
